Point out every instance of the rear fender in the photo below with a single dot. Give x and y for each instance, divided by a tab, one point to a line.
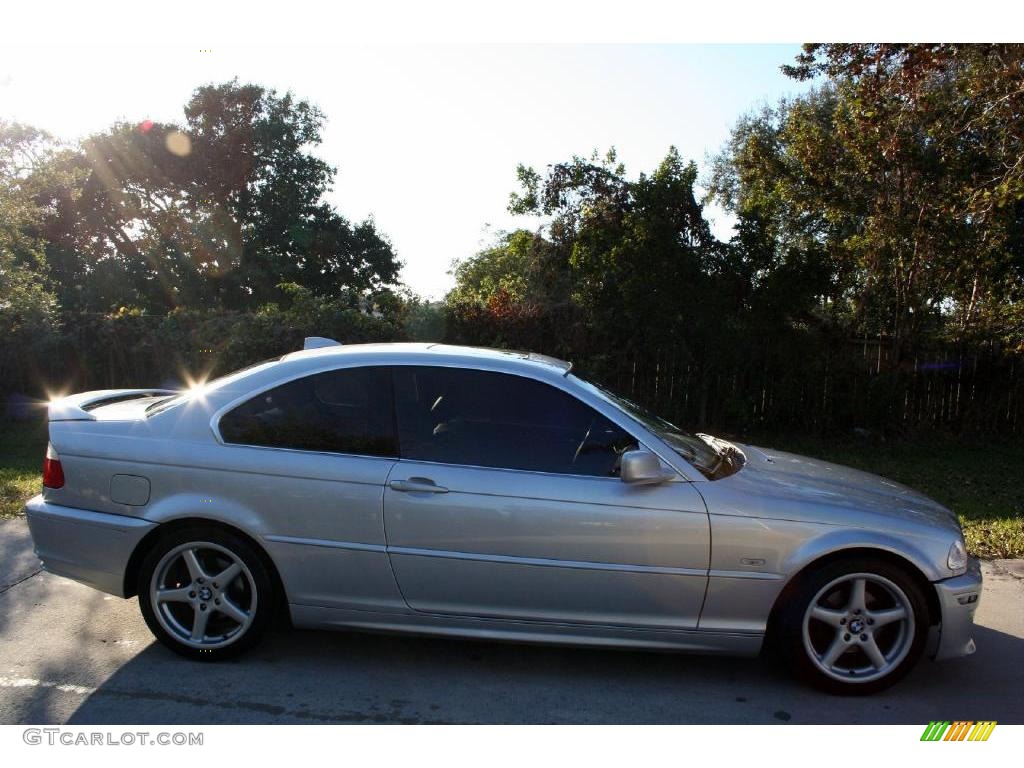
199	506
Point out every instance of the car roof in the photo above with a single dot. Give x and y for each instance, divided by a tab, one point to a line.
422	353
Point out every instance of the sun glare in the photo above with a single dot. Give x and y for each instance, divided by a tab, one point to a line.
195	387
53	397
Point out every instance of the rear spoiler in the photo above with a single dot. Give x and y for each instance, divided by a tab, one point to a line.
77	407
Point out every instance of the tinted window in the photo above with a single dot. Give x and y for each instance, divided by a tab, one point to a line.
347	411
457	416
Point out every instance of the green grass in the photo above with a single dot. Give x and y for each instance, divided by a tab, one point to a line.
982	481
22	445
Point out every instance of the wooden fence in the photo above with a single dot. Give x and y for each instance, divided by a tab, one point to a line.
850	386
803	382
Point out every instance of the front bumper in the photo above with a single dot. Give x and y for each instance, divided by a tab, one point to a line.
91	547
958	600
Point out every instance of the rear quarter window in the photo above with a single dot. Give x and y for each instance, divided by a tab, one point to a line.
345	411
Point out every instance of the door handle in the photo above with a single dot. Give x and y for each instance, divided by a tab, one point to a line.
416	485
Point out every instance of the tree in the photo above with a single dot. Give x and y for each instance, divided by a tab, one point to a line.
28	312
871	178
638	250
625	274
217	211
513	267
968	98
24	301
938	132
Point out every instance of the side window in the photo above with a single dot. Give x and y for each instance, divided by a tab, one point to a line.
344	411
480	418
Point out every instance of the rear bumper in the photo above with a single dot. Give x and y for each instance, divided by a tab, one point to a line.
90	547
958	600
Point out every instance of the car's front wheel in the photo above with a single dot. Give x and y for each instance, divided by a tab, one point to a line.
854	626
205	593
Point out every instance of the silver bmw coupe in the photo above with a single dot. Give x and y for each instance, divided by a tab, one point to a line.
488	494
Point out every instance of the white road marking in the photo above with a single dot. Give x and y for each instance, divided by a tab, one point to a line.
28	682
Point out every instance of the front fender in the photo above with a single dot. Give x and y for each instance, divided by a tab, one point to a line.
754	559
920	553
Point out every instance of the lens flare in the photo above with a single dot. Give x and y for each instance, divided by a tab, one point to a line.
195	387
53	397
178	144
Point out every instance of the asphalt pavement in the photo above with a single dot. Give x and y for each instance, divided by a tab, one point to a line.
69	654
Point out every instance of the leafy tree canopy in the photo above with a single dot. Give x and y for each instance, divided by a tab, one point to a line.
216	211
898	175
25	304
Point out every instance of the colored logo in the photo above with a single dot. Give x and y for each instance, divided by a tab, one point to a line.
959	730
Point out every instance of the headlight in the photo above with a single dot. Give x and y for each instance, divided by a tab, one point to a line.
957	559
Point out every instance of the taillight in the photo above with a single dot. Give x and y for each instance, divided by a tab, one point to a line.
53	473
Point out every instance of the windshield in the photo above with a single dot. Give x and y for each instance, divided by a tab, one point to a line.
688	445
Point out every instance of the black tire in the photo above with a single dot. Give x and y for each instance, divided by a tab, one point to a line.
250	593
794	647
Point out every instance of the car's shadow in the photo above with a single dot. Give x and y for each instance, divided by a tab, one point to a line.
312	677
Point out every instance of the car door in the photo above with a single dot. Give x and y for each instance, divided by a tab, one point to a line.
505	503
308	459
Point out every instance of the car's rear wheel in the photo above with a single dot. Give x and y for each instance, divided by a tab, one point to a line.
855	626
205	593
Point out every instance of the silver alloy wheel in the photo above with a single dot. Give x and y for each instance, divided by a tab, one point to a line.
858	628
203	595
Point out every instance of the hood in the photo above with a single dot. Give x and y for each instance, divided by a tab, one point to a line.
813	481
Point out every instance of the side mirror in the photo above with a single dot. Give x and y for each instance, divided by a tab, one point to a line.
641	467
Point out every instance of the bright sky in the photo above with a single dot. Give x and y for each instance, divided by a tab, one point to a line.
426	139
